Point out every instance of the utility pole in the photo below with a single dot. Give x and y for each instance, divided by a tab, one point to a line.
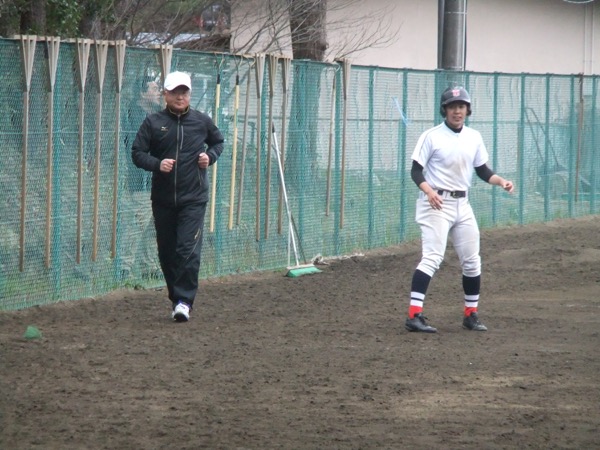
452	34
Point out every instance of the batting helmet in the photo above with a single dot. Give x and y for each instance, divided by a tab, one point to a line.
455	94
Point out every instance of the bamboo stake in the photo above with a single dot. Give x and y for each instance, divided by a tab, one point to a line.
346	68
119	66
28	53
286	65
580	117
101	48
83	53
53	47
213	193
165	55
244	142
236	103
330	155
273	61
259	69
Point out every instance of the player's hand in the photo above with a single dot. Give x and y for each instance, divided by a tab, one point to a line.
435	200
166	165
508	186
203	160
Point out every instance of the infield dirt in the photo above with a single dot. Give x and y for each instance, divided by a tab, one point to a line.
323	361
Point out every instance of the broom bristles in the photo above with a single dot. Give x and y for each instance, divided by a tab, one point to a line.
298	271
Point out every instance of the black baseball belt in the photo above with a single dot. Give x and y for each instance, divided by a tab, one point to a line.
453	194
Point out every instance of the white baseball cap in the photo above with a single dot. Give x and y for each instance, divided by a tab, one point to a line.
175	79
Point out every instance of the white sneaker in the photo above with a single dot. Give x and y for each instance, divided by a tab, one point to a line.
181	312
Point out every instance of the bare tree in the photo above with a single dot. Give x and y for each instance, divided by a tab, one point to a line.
313	29
139	22
298	28
143	22
308	27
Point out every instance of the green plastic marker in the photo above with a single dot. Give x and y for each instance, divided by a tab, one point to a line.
32	333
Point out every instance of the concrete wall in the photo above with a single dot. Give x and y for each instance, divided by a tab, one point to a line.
535	36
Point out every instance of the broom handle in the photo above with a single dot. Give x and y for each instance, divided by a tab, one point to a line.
285	198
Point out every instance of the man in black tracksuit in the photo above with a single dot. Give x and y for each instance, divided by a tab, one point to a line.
177	145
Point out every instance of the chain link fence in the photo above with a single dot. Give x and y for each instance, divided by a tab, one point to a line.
75	213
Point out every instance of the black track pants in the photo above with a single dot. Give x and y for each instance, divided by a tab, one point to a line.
179	233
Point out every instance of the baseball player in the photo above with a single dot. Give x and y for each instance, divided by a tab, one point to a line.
442	167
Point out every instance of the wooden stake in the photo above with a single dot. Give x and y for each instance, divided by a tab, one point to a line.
330	155
286	65
259	69
83	53
53	47
346	68
244	142
101	48
165	55
28	53
213	193
273	61
236	102
119	66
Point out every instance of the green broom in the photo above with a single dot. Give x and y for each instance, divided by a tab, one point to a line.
298	269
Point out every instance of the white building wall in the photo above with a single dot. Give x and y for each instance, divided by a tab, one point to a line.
538	36
535	36
416	25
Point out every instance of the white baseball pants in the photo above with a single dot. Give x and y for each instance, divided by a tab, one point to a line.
455	220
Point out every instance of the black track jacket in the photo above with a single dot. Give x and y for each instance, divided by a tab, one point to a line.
182	138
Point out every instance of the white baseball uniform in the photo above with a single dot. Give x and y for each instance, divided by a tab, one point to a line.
448	161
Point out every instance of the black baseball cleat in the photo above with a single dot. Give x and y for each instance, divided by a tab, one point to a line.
471	322
418	323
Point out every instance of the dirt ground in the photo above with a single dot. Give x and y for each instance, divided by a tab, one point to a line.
323	361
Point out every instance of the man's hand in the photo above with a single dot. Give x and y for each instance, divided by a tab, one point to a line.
508	186
434	199
166	165
203	160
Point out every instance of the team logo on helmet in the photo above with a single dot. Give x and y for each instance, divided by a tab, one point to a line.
454	94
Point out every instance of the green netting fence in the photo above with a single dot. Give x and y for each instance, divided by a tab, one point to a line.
75	213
